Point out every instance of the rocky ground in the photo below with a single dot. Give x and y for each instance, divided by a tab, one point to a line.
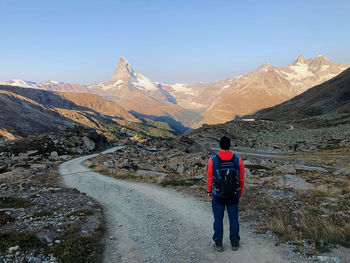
280	136
40	220
301	200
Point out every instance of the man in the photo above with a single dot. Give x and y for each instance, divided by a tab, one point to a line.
225	186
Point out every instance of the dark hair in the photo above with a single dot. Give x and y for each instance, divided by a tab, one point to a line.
225	143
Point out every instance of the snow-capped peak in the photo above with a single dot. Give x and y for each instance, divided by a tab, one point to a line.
124	73
22	83
300	60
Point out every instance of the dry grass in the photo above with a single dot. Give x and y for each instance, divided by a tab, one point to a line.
50	178
100	168
322	231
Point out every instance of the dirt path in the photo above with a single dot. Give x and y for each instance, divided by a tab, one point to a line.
146	223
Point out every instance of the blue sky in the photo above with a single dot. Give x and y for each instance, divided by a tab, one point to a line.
165	40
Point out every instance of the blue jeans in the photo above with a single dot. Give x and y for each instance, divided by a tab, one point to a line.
232	211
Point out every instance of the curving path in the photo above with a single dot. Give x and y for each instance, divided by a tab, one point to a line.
147	223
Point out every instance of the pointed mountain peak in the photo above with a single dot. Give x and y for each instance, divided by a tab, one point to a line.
123	61
264	67
300	60
321	57
124	72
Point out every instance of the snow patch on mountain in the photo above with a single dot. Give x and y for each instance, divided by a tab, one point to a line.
180	87
53	82
144	83
21	83
324	68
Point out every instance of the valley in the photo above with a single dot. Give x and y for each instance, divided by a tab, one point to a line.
185	106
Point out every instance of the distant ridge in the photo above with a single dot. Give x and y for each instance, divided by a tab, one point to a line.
33	111
332	96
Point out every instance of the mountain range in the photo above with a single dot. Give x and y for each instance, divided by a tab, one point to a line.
329	98
191	105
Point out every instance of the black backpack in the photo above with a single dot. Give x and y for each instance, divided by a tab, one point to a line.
226	181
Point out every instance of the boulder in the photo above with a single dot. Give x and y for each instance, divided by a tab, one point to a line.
80	150
14	249
22	157
54	155
33	152
310	168
88	143
181	169
294	182
286	169
173	165
65	157
46	236
5	154
248	162
247	173
322	188
196	148
39	166
3	168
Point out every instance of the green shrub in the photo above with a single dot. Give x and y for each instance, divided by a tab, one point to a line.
79	249
24	240
4	218
11	202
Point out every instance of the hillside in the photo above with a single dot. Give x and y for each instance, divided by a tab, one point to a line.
22	116
33	111
332	96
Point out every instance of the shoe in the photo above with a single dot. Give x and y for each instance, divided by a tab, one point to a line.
218	246
234	245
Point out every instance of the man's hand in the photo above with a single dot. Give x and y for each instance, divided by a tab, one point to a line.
210	195
239	196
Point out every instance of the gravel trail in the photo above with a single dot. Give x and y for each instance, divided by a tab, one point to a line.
147	223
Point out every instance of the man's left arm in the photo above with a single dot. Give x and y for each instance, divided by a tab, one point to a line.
210	179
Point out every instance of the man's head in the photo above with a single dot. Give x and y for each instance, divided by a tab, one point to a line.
225	143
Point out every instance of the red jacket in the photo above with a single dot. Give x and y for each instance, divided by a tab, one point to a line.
224	155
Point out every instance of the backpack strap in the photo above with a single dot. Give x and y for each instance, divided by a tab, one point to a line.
219	159
236	161
216	160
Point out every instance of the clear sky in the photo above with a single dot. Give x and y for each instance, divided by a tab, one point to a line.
165	40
